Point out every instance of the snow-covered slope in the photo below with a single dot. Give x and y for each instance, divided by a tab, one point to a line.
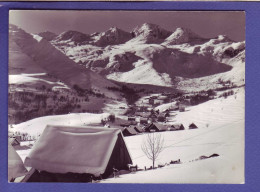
149	33
220	130
43	55
181	35
49	36
152	55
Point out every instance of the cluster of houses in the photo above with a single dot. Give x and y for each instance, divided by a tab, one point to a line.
154	127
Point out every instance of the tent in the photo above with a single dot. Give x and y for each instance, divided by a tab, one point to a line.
64	153
16	167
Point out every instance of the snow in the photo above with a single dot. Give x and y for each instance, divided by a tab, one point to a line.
36	126
220	130
37	37
27	78
151	68
73	149
138	73
164	107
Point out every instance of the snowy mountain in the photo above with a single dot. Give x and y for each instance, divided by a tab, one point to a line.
150	33
152	55
72	36
112	36
49	36
181	35
45	58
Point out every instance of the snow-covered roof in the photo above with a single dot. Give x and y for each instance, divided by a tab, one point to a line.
131	130
62	149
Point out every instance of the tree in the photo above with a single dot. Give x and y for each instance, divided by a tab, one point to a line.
152	146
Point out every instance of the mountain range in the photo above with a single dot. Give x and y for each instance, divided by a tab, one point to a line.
148	54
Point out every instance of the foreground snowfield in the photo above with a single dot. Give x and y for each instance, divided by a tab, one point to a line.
221	131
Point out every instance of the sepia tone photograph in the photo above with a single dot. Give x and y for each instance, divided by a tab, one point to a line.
126	96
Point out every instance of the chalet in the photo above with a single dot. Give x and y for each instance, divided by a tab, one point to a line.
143	114
177	127
153	117
181	108
14	142
131	118
151	101
158	101
155	127
143	121
161	118
77	164
193	126
129	131
138	129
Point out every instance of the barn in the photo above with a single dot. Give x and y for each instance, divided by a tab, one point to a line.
76	154
193	126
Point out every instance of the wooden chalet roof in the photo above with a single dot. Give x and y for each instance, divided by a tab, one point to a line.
177	126
193	126
131	130
14	141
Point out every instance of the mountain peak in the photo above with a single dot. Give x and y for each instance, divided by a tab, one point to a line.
49	36
73	36
182	35
112	36
150	33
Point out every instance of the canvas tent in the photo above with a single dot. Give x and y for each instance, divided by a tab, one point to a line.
67	152
15	164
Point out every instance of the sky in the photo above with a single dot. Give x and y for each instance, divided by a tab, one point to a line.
204	23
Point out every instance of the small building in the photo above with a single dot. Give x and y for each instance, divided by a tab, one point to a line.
143	121
181	108
14	142
155	127
161	118
131	118
151	101
138	129
193	126
19	138
177	127
129	131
